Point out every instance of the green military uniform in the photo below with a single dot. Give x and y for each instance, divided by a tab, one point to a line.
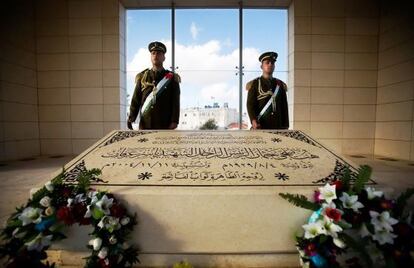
164	109
260	91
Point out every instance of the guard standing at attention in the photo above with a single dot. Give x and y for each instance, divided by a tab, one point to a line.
156	99
266	99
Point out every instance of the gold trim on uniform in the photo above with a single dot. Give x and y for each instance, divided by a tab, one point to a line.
263	94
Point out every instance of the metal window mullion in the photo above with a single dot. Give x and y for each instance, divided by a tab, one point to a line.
173	36
240	64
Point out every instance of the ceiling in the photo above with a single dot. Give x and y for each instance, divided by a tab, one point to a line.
147	4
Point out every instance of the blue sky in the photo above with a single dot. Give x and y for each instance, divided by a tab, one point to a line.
207	43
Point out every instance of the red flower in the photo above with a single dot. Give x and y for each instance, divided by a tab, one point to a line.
310	249
117	211
404	231
65	214
79	211
85	221
386	204
338	184
333	214
169	75
104	263
66	192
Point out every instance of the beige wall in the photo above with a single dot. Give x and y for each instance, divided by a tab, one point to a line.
81	72
62	82
19	131
333	71
395	129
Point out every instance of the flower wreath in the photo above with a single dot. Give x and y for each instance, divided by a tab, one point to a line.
32	228
355	226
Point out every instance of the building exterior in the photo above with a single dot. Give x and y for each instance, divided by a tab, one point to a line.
194	118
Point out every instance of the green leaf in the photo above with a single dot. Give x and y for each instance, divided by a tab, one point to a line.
389	261
358	247
401	201
344	224
182	264
346	179
83	182
42	192
323	239
85	178
299	201
97	214
364	174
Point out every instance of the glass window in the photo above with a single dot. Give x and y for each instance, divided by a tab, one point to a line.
143	27
207	56
263	30
206	59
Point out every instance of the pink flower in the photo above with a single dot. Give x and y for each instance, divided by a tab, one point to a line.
316	196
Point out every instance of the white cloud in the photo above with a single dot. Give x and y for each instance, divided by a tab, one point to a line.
194	30
220	92
205	71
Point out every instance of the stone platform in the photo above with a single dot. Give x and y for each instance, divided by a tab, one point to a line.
209	197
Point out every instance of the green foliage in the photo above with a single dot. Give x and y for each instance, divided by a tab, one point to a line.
85	177
183	264
299	201
16	236
210	124
359	247
401	201
346	179
364	174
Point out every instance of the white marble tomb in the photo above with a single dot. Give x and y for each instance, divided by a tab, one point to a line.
209	197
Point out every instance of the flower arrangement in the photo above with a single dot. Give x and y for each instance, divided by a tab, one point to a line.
31	230
353	225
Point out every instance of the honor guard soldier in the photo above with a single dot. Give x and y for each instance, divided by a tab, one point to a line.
266	98
156	99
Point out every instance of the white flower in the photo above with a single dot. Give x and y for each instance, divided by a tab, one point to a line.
363	232
113	240
109	223
30	215
39	242
314	229
351	202
331	228
80	198
69	202
92	194
382	221
372	193
384	237
49	186
45	201
327	193
49	211
103	253
104	204
125	220
96	243
89	207
16	233
339	243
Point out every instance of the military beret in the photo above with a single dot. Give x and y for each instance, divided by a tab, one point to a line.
157	46
268	55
